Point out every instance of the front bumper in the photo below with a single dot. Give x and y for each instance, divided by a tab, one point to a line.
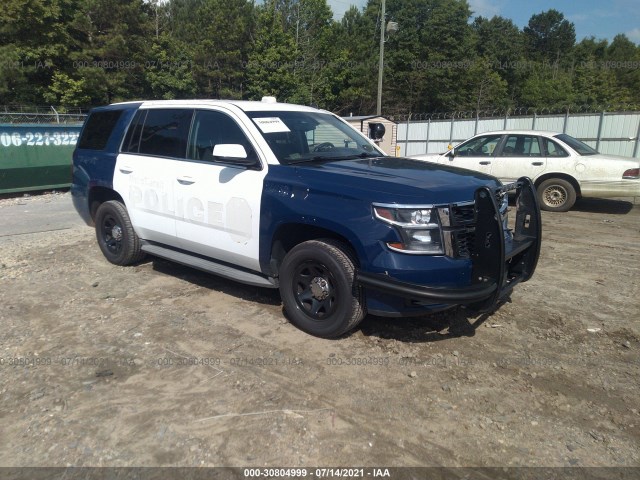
499	261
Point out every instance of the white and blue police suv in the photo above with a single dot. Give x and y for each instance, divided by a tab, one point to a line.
291	197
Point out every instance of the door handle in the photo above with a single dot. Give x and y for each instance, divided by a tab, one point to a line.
126	170
485	162
537	164
185	180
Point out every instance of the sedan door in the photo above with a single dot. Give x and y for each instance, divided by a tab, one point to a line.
475	154
520	156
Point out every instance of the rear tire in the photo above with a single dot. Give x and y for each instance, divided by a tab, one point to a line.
556	195
115	234
318	289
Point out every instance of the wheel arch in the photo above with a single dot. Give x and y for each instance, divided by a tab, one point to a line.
563	176
98	195
288	235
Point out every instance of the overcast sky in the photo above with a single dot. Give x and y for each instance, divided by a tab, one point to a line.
601	19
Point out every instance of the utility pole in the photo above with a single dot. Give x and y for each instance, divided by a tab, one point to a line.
383	22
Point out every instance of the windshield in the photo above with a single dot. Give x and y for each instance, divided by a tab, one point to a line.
577	145
299	137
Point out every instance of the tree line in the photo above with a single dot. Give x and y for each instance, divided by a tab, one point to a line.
82	53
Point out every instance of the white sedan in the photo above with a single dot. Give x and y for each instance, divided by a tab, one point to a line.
561	167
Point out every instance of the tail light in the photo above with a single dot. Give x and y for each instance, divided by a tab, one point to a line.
632	173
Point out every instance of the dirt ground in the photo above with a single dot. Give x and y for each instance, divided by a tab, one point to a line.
158	364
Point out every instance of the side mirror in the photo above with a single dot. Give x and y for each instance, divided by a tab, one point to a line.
233	152
376	131
451	153
229	150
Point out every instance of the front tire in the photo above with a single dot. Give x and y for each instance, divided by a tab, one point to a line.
556	195
115	234
318	289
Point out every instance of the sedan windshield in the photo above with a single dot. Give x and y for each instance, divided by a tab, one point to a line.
577	145
301	137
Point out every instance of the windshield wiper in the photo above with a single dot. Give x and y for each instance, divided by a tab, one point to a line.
320	158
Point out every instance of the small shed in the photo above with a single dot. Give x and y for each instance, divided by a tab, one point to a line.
389	142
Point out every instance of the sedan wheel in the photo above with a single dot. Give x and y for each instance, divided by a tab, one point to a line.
556	195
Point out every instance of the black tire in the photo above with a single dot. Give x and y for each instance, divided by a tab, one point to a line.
318	289
556	195
116	237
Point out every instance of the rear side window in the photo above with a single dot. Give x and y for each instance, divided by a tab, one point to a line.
521	146
98	129
165	132
553	149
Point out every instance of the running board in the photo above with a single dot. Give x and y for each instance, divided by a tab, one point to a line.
210	266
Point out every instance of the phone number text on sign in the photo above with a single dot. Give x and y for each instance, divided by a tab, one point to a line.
32	139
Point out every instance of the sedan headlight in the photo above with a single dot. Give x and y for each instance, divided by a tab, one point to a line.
418	227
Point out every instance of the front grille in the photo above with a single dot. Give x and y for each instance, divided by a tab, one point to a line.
463	214
459	225
461	231
464	243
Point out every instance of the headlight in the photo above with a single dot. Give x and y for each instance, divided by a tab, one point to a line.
418	228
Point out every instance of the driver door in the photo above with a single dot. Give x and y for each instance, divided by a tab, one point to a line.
219	201
476	154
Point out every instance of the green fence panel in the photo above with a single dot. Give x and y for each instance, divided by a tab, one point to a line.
36	157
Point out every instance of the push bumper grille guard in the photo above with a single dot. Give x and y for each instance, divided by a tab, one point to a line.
498	263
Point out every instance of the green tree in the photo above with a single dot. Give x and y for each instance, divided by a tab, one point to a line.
115	38
549	37
14	82
170	74
36	37
501	44
622	60
592	83
271	66
429	56
547	88
354	65
219	35
315	46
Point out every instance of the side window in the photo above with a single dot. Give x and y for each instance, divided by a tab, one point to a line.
131	141
521	146
165	132
479	147
211	128
97	131
552	149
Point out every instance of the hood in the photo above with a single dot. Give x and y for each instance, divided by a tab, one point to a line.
394	180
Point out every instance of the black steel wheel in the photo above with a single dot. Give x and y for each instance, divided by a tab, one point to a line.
115	234
318	290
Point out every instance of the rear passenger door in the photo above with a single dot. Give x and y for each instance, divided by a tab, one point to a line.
146	171
220	197
521	155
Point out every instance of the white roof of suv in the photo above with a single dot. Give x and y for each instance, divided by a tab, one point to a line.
245	105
